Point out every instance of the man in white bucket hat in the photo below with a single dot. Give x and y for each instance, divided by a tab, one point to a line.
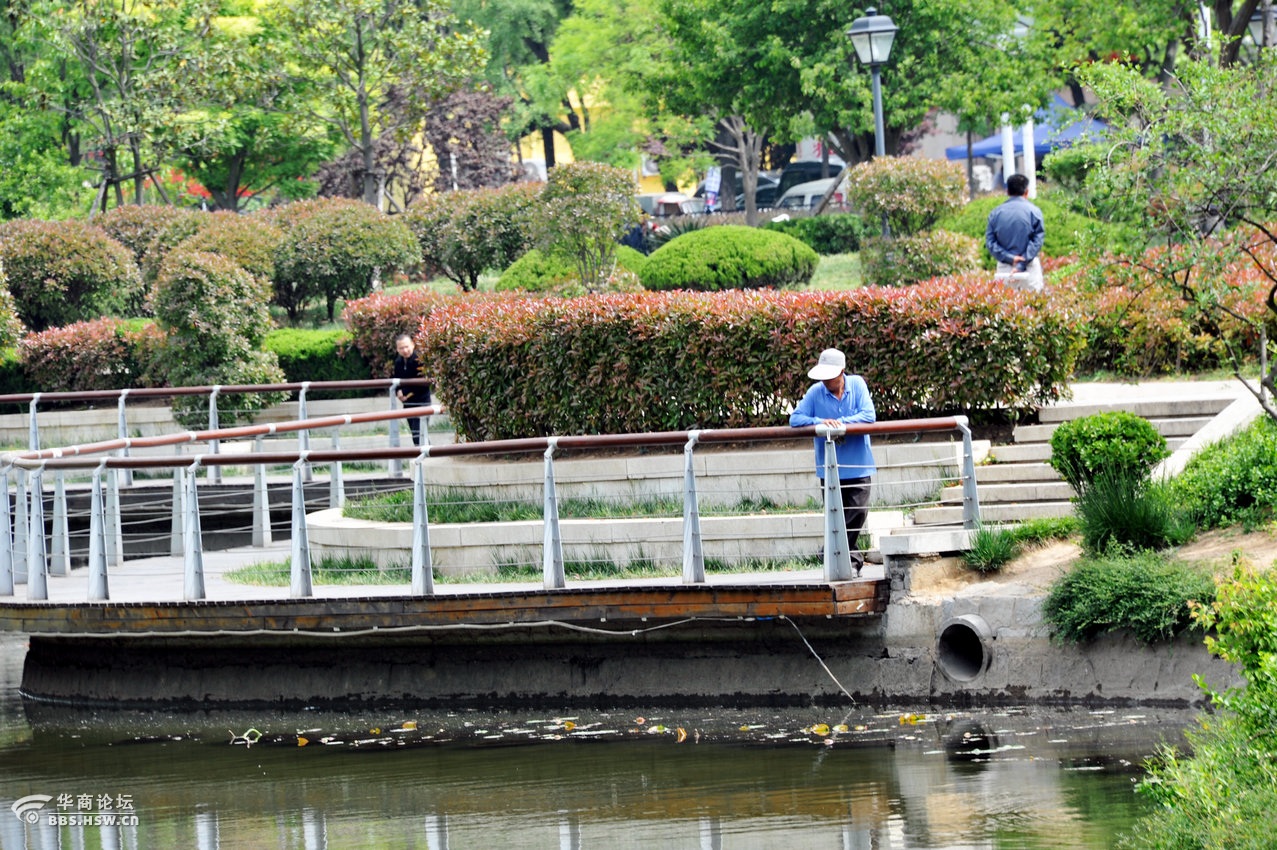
841	399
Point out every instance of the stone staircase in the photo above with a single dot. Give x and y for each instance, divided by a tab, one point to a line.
1016	483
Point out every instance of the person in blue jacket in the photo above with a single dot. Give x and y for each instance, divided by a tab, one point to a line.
838	398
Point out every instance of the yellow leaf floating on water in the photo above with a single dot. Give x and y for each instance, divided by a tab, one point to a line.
569	725
409	724
841	727
301	742
376	730
912	719
821	729
640	720
682	734
861	727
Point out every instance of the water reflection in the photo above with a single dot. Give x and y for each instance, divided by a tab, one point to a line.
817	778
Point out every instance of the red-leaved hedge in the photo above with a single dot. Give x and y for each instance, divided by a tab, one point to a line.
104	354
375	321
631	362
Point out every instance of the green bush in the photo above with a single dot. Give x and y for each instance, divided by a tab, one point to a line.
104	354
375	321
1145	593
216	317
13	378
1065	230
315	355
150	232
1115	442
67	271
1224	794
729	257
1127	510
248	240
11	328
909	259
622	363
331	249
912	193
991	549
540	271
465	233
1233	481
838	233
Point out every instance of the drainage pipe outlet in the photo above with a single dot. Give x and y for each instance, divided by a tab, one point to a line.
963	650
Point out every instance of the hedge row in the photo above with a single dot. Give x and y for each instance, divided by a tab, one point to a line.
375	321
105	354
672	361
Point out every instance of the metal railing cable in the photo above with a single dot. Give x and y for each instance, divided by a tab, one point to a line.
24	551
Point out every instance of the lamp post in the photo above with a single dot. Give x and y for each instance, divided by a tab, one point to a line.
1259	24
872	36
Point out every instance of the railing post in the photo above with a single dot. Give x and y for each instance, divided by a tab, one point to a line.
177	527
6	536
552	546
123	431
33	426
114	520
970	493
423	582
300	568
336	484
97	540
21	528
837	548
214	445
395	467
261	500
37	569
60	543
693	554
193	554
303	436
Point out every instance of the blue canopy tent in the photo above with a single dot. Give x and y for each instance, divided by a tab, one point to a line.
1052	128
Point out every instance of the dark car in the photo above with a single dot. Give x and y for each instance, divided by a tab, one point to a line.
764	196
804	171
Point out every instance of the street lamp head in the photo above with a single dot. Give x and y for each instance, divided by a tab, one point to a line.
1256	26
872	35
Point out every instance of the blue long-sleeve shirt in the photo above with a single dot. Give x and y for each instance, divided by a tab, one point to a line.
855	458
1015	229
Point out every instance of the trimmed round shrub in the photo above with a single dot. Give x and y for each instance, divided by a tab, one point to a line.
104	354
216	316
150	232
315	355
331	249
912	193
910	259
540	271
1115	444
729	257
67	271
465	233
838	233
249	241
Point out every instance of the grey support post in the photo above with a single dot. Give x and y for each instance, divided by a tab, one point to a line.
123	431
33	426
37	569
300	579
552	548
193	555
177	526
214	445
837	551
970	493
97	540
6	536
336	483
303	436
60	543
693	554
114	520
21	527
396	468
261	500
423	582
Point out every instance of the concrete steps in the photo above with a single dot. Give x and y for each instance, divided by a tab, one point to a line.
1017	483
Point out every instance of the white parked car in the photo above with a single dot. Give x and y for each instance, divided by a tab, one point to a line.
806	196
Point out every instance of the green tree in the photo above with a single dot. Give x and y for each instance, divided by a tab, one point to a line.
586	207
373	65
1191	166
